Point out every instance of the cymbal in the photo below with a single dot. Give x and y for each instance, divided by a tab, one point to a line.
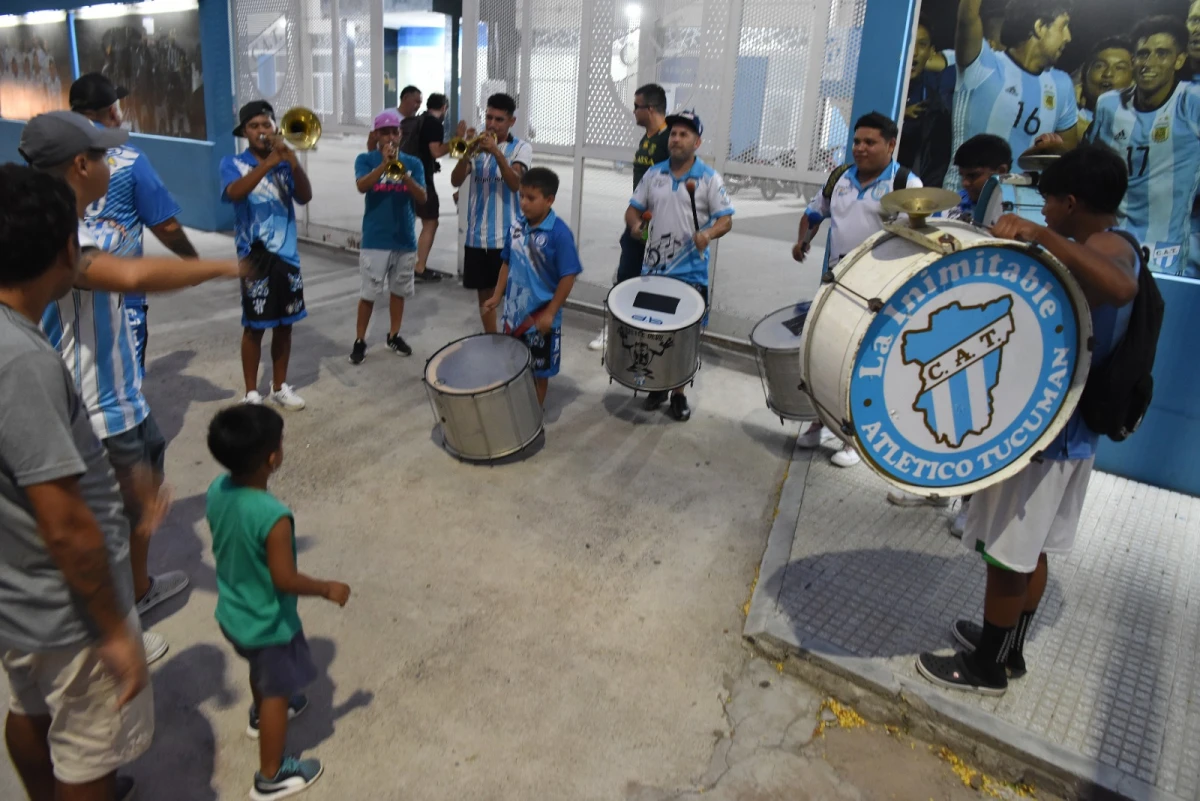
919	203
1036	159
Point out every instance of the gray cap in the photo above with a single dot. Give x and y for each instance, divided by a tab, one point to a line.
56	137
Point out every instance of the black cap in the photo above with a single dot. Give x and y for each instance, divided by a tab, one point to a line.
250	111
56	137
94	92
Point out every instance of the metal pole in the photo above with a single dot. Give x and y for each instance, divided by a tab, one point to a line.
376	58
581	109
470	95
335	42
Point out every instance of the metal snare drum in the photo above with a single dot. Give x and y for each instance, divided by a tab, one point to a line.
482	392
776	341
653	326
1008	194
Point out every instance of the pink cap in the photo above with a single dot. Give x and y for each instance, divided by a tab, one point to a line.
387	119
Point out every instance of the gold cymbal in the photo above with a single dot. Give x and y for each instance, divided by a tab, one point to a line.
919	203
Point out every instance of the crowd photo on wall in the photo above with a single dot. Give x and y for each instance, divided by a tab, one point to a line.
1031	71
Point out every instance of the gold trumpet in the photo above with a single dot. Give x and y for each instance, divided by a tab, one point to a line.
459	147
300	128
394	171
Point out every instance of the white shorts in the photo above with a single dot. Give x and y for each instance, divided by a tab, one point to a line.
89	736
391	268
1034	512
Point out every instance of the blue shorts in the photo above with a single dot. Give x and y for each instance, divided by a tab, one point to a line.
279	671
546	349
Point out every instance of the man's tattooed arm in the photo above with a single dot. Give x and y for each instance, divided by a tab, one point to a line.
171	234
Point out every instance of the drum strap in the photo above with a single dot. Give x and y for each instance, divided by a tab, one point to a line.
899	182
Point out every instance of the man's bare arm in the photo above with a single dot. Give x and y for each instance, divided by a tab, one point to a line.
172	235
968	36
108	273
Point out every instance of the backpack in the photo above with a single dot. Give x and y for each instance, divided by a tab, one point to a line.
410	135
900	182
1118	392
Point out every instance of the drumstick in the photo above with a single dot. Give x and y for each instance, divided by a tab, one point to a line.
691	189
646	217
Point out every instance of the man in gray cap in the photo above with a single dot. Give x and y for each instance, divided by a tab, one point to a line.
90	330
136	199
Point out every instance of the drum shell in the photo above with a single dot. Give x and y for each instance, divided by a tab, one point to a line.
492	423
781	375
840	317
675	355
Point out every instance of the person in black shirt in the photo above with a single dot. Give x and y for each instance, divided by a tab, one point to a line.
925	143
650	112
421	136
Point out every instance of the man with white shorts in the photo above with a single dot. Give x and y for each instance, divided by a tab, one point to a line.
388	256
1016	523
80	703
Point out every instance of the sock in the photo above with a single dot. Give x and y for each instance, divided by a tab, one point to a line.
994	648
1017	654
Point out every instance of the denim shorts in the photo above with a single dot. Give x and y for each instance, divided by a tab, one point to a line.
279	671
140	446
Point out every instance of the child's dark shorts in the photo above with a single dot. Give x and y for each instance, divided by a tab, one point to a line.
279	671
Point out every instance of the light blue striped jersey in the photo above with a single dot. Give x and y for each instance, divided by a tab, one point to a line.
1161	149
669	248
267	214
996	96
492	207
91	333
136	198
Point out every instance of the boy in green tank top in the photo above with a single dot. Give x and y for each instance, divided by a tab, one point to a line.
257	585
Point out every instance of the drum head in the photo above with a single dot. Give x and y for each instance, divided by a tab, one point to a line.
477	364
972	367
781	330
656	303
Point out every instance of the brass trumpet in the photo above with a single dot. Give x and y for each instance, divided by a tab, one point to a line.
459	147
300	128
394	171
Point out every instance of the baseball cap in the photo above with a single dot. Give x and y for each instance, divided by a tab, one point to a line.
688	118
250	111
56	137
387	119
93	92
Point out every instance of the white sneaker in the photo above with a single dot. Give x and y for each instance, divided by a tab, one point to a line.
162	587
814	436
846	457
253	398
597	343
286	397
155	646
960	521
908	500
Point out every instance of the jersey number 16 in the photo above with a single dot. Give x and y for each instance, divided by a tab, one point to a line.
1033	123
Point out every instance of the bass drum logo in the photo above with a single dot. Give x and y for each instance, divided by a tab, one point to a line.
966	369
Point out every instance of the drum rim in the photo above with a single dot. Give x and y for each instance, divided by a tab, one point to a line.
461	393
663	328
760	323
1079	376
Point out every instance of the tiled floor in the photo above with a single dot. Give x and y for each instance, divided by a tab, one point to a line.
1112	650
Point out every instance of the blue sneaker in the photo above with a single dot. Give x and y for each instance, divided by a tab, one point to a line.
294	776
296	705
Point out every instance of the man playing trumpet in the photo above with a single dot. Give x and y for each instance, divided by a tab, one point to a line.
495	164
392	183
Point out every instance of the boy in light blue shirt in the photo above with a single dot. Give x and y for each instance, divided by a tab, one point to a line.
540	263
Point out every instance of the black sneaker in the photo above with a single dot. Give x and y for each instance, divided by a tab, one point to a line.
679	408
397	345
969	634
958	673
654	400
296	706
126	789
359	352
428	276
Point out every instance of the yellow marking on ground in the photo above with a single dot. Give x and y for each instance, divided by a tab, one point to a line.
980	781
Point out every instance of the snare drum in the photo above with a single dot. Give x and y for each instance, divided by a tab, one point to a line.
482	392
948	372
776	341
653	326
1008	194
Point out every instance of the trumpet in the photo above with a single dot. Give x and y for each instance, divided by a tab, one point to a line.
394	171
300	128
459	147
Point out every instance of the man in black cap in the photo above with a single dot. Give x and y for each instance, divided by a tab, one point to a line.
136	198
261	183
88	328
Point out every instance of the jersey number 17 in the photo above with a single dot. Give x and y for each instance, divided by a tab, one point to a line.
1144	150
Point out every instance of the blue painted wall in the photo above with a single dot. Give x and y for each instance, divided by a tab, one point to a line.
188	167
1163	451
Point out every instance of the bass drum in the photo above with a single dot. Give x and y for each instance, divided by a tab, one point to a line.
483	396
653	326
950	371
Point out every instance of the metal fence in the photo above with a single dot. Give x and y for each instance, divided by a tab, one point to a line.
773	81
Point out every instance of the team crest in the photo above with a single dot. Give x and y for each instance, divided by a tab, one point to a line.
1048	101
1160	134
957	383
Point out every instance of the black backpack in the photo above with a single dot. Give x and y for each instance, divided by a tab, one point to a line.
410	135
900	182
1118	392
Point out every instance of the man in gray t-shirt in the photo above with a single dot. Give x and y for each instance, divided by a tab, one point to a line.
70	642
